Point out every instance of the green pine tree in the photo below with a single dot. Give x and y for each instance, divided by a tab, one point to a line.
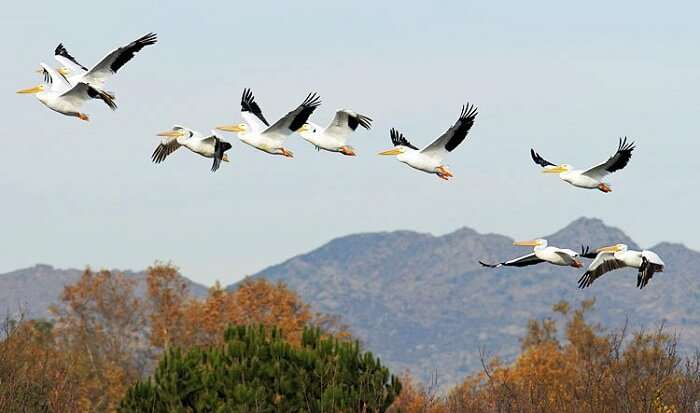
256	370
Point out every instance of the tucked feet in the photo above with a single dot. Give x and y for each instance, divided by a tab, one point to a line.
286	152
347	151
604	187
84	117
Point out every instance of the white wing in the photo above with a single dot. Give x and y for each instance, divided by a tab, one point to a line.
57	81
78	94
616	162
604	262
449	140
111	63
345	122
251	112
65	59
293	120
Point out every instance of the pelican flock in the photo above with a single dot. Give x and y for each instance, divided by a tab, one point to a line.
258	133
66	89
71	86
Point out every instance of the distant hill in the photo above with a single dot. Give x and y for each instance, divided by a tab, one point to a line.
424	303
32	290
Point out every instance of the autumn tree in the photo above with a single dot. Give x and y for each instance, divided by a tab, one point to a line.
101	319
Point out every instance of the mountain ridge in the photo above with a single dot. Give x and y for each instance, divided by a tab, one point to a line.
423	302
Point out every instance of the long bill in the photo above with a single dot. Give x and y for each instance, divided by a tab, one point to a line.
230	128
393	151
35	89
611	248
171	133
528	243
553	169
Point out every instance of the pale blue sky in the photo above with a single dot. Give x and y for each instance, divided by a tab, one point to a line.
567	79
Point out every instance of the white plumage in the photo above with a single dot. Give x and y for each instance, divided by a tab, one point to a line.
430	158
619	256
333	138
208	146
542	252
591	178
257	132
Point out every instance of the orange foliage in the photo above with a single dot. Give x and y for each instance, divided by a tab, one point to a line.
591	371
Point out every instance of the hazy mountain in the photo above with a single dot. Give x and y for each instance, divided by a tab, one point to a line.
32	290
424	303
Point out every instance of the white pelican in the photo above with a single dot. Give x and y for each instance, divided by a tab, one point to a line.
210	146
257	132
592	177
541	253
58	95
429	159
334	137
618	256
105	68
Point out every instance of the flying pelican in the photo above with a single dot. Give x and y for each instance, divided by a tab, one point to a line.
618	256
541	253
60	96
257	132
592	177
210	146
429	159
334	137
105	68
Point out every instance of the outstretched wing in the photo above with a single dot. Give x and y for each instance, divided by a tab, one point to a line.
398	139
111	63
651	263
64	58
616	162
167	146
293	120
604	262
539	160
455	135
251	112
524	261
346	122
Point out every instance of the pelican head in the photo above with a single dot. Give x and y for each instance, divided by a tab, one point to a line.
177	132
64	71
613	248
307	130
397	150
33	90
239	127
225	158
537	243
550	169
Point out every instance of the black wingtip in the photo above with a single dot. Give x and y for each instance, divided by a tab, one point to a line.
487	265
312	100
148	39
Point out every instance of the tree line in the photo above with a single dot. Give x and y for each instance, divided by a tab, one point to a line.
259	348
